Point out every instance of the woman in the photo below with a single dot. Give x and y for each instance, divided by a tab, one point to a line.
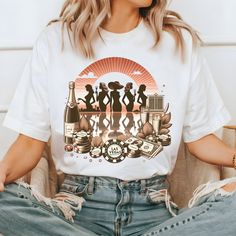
142	98
115	103
89	99
103	94
131	97
124	195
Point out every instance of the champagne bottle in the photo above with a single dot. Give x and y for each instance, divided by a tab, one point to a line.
71	115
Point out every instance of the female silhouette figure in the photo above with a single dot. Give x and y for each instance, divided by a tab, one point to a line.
89	99
142	98
129	96
101	97
115	96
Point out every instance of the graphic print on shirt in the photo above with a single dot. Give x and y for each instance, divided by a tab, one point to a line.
121	113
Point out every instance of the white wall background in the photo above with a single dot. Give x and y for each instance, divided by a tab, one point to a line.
22	20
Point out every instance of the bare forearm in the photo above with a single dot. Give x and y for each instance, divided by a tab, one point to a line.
22	157
212	150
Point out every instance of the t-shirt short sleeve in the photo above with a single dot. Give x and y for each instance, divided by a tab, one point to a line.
28	113
205	111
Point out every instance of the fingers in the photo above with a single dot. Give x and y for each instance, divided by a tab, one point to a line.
2	178
1	186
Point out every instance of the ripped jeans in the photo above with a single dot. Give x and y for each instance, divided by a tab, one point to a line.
114	207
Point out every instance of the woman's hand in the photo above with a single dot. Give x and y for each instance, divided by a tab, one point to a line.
3	174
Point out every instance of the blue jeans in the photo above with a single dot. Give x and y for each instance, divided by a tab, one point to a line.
114	207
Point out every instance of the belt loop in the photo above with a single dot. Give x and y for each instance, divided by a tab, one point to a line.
90	189
143	187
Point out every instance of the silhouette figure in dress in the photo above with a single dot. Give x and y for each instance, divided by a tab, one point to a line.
131	97
89	99
115	96
103	94
142	98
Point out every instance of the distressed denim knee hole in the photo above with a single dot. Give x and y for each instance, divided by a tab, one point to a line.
20	195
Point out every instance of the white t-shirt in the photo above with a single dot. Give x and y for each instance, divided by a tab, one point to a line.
139	100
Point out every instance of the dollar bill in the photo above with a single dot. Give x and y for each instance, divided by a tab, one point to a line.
148	149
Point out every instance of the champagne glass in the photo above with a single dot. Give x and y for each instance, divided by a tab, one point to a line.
156	122
144	115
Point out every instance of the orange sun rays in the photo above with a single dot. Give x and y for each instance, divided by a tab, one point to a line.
116	64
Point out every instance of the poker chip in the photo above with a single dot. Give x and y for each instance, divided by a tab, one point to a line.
165	139
138	142
164	136
83	146
82	142
82	149
95	152
131	140
74	134
133	151
114	151
69	148
134	140
82	134
152	138
133	147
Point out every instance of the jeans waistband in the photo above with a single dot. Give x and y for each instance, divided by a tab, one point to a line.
154	188
93	181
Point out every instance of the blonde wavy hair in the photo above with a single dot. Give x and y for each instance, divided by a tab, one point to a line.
82	19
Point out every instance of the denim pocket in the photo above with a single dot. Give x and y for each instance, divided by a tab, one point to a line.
152	200
162	198
155	204
156	192
155	196
54	211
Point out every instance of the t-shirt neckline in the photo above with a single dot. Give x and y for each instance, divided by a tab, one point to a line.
108	35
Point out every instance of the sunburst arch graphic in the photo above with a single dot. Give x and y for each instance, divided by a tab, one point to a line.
116	64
